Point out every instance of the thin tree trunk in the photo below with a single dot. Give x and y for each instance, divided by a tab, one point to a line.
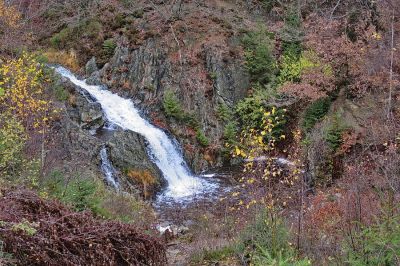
389	111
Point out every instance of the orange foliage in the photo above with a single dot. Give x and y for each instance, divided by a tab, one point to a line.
67	59
144	177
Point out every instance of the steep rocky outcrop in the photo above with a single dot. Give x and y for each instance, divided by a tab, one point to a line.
84	135
208	78
128	153
323	164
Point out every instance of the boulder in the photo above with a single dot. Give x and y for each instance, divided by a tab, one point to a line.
91	66
82	109
128	153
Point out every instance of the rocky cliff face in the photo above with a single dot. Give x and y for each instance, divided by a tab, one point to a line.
84	135
201	83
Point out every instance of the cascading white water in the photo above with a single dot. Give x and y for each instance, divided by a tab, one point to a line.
122	112
108	169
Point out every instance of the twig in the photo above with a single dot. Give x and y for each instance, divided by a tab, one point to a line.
334	9
389	111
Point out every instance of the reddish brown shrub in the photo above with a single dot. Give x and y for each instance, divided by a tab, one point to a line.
63	237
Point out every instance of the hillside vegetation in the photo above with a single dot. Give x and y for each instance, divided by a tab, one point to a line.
299	99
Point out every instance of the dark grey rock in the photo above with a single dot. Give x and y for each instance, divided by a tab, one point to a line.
128	152
91	66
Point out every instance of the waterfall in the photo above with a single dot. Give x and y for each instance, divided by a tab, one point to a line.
108	169
168	158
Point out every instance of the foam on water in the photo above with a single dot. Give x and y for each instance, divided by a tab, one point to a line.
168	158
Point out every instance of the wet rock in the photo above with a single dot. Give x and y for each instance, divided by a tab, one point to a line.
92	117
82	109
128	153
171	230
91	66
94	79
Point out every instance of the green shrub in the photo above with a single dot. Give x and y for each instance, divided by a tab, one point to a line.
224	113
5	257
283	258
378	244
139	13
268	5
334	133
60	39
26	227
213	76
250	110
213	255
260	61
78	192
109	46
61	93
266	242
315	112
87	194
230	131
201	138
267	232
90	28
12	143
172	106
354	18
292	33
73	34
190	120
293	66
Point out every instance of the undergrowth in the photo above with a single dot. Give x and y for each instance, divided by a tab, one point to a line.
87	194
315	112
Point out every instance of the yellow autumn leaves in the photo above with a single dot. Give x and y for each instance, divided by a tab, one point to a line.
257	142
25	112
22	91
9	16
